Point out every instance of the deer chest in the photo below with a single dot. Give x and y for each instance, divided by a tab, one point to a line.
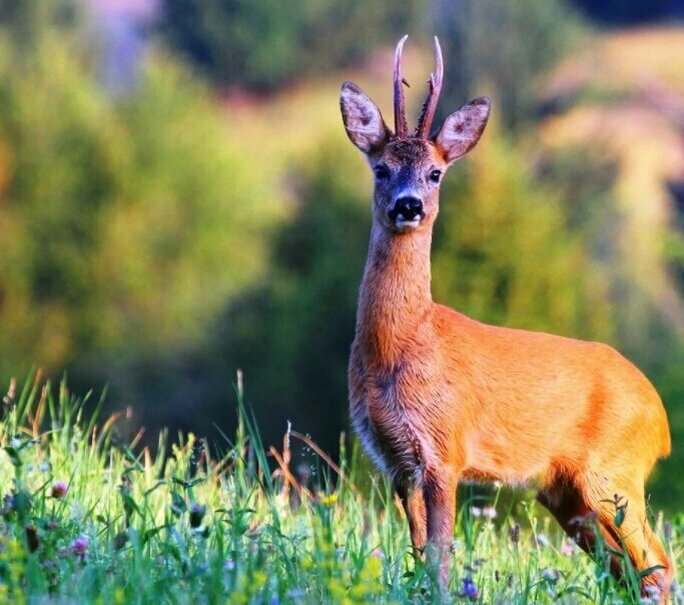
390	413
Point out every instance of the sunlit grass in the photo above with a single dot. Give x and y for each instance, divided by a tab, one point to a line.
86	518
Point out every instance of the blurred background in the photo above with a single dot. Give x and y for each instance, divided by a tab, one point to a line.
178	198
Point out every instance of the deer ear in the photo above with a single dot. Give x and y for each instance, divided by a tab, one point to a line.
462	129
362	119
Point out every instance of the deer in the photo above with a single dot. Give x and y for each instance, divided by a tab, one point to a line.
438	398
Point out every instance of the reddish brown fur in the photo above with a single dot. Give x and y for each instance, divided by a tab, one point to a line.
440	398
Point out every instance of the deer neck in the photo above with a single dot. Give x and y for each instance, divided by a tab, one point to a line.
395	295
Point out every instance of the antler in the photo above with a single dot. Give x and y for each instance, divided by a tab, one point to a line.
430	105
400	123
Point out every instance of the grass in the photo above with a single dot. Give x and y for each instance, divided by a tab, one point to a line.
88	518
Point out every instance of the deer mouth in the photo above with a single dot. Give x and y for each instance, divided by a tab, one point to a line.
404	224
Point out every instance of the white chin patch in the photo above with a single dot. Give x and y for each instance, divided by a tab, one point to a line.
405	225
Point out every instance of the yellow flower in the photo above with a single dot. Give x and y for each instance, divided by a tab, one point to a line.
371	568
15	549
328	500
258	579
336	590
237	598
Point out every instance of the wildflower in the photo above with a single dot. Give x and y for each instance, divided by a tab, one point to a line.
258	580
197	513
80	546
32	537
475	511
469	588
377	552
489	512
542	540
229	565
372	567
59	489
550	575
567	549
514	533
328	500
296	593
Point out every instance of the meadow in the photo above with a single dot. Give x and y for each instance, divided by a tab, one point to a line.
87	517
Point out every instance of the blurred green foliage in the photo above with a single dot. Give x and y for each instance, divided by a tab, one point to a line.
267	43
127	222
483	40
507	253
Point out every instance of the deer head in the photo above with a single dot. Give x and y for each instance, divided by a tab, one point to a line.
408	168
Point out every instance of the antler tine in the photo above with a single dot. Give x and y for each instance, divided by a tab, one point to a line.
430	105
400	123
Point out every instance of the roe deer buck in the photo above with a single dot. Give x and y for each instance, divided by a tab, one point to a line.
437	397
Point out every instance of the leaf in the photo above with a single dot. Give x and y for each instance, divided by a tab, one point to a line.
13	455
620	515
130	505
178	504
154	487
150	533
649	570
195	481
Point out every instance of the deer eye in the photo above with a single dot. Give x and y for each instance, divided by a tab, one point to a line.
435	175
381	172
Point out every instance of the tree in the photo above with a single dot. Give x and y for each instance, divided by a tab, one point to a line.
501	49
265	44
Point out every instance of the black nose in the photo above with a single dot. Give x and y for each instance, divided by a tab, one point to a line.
407	207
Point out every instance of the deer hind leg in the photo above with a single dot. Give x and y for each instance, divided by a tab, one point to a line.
634	533
567	505
413	501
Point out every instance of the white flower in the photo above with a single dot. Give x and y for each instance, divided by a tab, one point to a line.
550	575
542	540
489	512
475	511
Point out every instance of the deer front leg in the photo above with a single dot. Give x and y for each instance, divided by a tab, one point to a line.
440	503
413	501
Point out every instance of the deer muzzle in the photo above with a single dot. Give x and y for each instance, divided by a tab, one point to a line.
407	212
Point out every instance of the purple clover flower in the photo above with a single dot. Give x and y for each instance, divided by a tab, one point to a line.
80	546
59	489
197	513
